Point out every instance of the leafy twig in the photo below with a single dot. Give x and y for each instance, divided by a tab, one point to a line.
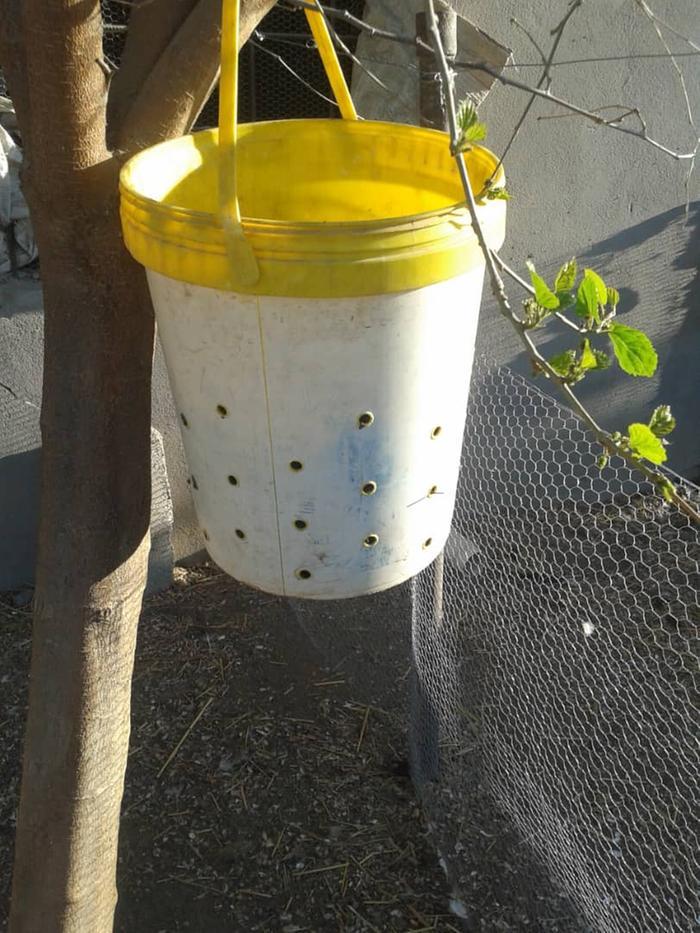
606	440
531	291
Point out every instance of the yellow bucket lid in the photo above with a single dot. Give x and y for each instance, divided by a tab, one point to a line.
331	208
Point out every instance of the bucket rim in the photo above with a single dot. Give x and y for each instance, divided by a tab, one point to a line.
312	226
312	258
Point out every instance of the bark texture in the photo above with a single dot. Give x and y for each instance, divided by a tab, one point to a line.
95	496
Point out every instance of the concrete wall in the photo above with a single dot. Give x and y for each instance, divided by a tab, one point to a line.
577	189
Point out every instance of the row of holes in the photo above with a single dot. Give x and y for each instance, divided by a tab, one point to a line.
303	573
363	421
368	489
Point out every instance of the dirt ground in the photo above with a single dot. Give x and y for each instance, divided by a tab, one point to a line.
265	790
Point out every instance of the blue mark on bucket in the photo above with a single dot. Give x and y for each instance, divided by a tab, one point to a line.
363	457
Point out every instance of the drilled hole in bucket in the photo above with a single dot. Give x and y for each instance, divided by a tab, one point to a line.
427	543
432	491
194	483
300	524
369	489
303	574
205	533
436	432
296	465
371	541
365	419
240	534
184	420
233	480
222	411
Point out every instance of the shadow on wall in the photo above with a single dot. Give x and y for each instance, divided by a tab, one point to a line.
655	266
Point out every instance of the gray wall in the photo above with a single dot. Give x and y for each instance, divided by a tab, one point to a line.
577	189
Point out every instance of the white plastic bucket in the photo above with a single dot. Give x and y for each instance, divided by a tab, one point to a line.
320	348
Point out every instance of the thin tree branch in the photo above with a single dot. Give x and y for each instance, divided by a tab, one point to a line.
657	19
498	287
599	59
406	39
681	80
642	134
545	78
534	42
651	16
626	112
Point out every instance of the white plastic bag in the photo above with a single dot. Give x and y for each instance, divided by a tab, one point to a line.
16	234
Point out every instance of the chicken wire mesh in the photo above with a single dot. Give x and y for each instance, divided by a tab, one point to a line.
555	681
281	73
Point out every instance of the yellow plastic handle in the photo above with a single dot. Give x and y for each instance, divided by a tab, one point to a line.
243	263
329	57
244	266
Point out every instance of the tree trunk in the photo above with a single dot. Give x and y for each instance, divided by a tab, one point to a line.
93	550
95	493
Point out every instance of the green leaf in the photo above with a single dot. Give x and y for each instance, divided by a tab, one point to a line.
644	442
534	314
544	295
470	130
565	299
475	133
602	359
600	286
634	351
613	297
566	277
497	194
588	358
662	421
563	363
587	299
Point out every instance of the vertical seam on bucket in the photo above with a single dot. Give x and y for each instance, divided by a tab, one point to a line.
272	449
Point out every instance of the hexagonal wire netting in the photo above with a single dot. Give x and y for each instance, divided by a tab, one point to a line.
555	650
281	74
